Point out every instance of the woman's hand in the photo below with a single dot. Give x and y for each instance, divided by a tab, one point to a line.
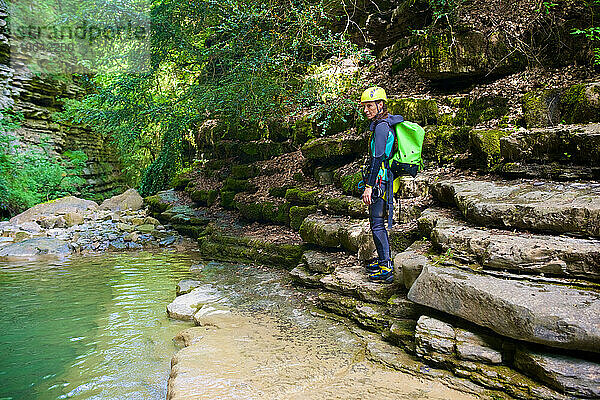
366	197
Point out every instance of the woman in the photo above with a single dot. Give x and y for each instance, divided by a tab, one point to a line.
377	183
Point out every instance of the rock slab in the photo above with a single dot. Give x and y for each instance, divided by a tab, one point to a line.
542	206
571	375
521	252
550	314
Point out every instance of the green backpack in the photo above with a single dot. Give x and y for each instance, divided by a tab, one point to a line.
406	151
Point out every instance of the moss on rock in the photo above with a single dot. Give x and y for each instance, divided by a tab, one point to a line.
297	214
302	197
485	147
239	185
204	197
421	111
227	199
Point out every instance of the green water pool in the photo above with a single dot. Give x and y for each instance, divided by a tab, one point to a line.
90	327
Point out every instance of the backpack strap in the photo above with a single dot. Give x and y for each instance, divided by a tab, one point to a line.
389	193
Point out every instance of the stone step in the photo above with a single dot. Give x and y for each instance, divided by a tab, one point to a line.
553	171
329	231
339	272
542	206
576	144
514	251
555	315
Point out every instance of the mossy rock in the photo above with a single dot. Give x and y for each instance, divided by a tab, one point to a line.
180	181
442	143
465	55
193	231
369	315
348	182
303	130
186	219
277	213
279	191
227	199
541	108
250	211
401	332
334	147
473	111
581	104
227	247
204	197
156	204
345	205
297	214
239	185
421	111
485	147
244	171
302	197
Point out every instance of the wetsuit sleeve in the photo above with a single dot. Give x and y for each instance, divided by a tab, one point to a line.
381	135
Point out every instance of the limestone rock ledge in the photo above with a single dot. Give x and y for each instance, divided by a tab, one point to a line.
549	314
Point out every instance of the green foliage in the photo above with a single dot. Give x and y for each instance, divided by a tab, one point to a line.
32	174
545	7
592	33
242	62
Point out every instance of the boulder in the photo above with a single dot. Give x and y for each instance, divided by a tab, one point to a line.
336	146
550	314
185	306
324	263
35	247
544	206
129	200
64	205
73	218
408	265
568	374
338	232
521	252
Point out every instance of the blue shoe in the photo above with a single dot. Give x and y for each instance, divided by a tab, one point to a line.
384	275
373	267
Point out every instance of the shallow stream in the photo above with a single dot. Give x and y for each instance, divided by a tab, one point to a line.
95	327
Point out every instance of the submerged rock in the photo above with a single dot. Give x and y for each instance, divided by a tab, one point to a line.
550	314
185	306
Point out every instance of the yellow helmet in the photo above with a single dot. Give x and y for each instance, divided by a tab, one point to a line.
372	94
